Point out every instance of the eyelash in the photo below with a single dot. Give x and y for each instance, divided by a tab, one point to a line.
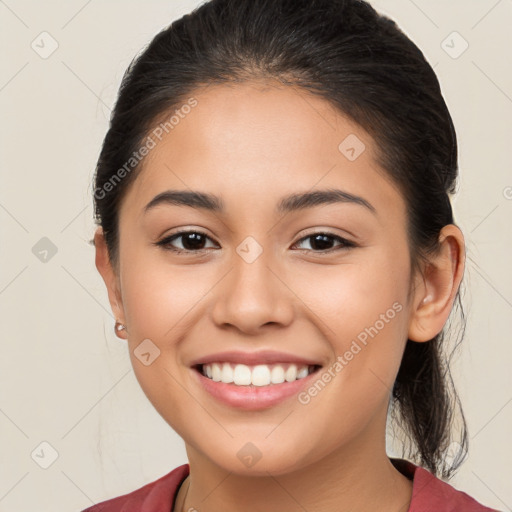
165	242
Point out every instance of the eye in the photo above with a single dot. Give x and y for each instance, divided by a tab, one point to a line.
321	242
192	241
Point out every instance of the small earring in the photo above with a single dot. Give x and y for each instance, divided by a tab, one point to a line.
119	327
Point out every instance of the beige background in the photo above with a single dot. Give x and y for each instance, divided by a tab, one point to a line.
66	379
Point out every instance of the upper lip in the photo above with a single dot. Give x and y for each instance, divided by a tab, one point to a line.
253	358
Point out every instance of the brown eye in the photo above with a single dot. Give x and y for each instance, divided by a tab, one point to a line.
322	242
191	241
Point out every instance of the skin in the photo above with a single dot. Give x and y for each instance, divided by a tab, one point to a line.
252	144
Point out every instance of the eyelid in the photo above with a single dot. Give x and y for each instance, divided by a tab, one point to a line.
329	232
167	239
346	243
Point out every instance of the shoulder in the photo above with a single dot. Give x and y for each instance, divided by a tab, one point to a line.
431	494
152	497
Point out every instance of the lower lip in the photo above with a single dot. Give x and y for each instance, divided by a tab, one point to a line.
253	398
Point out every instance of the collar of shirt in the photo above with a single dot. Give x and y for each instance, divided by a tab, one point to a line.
429	493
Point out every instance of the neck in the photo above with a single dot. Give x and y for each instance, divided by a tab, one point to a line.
356	479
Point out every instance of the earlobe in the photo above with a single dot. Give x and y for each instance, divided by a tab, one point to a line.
110	277
433	301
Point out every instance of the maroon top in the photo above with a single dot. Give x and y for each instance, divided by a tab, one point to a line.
429	493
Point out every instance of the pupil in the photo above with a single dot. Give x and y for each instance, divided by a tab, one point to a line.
192	241
321	242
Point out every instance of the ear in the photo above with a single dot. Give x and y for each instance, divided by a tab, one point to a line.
110	277
433	299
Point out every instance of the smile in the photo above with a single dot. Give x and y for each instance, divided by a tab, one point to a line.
255	375
253	387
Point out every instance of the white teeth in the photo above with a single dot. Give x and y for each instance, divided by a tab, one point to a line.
258	375
216	372
242	375
227	373
277	375
303	372
291	373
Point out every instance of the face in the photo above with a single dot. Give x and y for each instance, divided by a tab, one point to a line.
325	281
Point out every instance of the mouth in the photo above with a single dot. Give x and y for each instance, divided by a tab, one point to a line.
258	375
253	387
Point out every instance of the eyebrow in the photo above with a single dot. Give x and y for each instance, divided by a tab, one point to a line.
293	202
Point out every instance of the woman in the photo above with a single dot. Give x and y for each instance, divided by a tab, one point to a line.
279	249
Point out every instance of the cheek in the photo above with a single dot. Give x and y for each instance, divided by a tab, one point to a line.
159	298
361	307
348	297
159	303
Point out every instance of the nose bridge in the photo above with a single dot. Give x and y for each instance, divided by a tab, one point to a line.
252	295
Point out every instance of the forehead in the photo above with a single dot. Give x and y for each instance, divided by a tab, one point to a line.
254	142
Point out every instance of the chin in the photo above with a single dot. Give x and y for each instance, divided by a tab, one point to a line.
249	460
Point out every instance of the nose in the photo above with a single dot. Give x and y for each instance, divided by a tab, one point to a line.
253	295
